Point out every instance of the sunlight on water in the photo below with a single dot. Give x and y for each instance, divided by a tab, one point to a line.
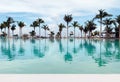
59	56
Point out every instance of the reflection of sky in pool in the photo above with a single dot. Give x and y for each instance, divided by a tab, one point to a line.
59	56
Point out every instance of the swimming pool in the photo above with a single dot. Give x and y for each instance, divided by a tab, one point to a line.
59	56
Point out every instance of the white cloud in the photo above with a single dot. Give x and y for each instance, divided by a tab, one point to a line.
51	10
56	7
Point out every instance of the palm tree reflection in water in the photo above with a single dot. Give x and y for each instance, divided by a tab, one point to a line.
21	50
68	55
117	49
40	54
90	48
74	49
13	46
101	51
37	51
6	50
61	48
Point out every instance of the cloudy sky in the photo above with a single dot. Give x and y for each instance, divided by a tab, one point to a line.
53	11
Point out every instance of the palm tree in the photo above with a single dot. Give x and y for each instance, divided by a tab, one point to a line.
34	25
85	31
13	28
51	35
40	21
117	32
96	33
45	27
91	26
81	29
8	23
108	22
118	21
21	25
61	26
1	26
75	24
32	33
68	19
116	29
102	14
5	25
108	31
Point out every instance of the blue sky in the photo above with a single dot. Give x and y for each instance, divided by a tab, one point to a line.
53	11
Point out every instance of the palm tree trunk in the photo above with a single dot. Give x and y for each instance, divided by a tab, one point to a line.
12	32
100	27
8	32
60	34
119	30
81	34
1	31
85	35
74	32
20	32
34	29
45	33
5	29
39	31
89	33
67	30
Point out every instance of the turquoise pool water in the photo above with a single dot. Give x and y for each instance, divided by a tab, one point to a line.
48	56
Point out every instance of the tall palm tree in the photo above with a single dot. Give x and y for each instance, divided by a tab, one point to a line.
102	14
21	25
81	29
13	28
45	27
91	26
68	19
40	21
34	24
61	26
108	22
75	24
8	24
118	21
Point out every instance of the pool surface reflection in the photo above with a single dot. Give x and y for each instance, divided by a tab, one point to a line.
59	56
